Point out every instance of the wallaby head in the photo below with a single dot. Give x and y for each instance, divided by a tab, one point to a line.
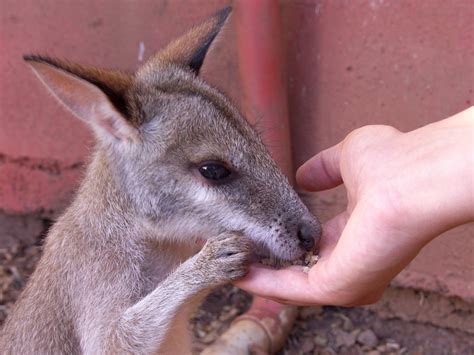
189	163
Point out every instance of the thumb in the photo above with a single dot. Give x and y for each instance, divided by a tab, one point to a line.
322	171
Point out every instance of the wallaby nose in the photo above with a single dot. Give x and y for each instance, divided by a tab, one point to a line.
307	235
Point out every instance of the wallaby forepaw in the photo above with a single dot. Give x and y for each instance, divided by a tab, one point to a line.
226	257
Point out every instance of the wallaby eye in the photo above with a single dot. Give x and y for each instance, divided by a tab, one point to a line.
214	171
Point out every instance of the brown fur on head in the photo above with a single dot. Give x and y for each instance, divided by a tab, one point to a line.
162	130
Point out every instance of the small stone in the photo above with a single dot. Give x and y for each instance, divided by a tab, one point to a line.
209	338
373	352
368	337
228	315
344	339
214	325
320	340
346	322
382	348
307	345
336	324
356	332
392	345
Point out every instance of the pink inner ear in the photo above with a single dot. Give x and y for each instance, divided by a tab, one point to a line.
120	130
85	101
108	123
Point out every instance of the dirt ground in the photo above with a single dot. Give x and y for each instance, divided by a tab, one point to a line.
327	330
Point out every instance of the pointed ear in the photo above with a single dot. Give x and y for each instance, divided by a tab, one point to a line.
190	49
95	96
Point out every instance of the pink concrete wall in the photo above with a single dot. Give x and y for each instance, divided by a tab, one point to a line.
350	63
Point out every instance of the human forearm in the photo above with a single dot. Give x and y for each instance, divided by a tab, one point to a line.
436	183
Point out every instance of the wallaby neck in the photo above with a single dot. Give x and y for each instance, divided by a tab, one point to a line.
102	209
107	217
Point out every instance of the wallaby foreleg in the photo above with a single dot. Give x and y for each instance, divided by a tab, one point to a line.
142	328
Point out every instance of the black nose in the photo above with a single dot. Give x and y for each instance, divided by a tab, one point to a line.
306	235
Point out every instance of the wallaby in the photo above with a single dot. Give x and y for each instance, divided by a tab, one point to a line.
176	166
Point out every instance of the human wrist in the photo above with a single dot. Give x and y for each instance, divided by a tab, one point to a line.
459	184
441	184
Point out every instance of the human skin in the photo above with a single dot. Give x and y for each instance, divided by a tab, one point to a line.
403	189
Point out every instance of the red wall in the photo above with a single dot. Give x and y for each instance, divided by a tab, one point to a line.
350	63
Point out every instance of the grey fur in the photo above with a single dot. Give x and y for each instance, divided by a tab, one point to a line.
121	270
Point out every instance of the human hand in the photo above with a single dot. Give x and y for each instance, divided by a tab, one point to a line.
403	190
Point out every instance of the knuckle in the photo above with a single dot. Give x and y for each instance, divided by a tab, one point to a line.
361	138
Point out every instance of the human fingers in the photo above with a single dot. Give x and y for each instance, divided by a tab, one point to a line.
289	285
322	171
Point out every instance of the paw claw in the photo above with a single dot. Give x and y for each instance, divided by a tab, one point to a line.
226	257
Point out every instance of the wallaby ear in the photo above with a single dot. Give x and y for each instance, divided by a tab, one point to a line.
95	96
190	49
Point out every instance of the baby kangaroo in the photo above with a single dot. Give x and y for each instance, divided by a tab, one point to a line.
175	166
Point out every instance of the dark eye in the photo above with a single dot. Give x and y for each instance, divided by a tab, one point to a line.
214	171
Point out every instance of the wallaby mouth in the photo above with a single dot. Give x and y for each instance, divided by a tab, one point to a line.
302	240
304	250
307	260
